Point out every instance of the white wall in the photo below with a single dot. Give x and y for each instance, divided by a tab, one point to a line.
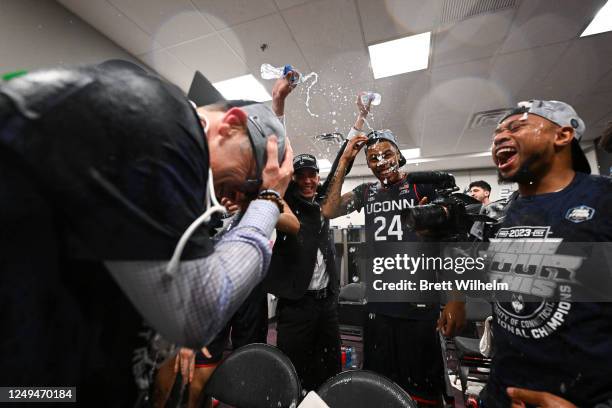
42	33
591	156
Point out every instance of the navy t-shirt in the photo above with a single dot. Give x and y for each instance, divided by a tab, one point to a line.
546	337
383	206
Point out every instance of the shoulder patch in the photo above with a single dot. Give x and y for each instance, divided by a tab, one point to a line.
579	214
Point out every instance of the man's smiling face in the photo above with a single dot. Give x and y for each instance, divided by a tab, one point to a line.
523	142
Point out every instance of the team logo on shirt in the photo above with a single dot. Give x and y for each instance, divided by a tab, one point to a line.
518	304
404	189
541	280
579	214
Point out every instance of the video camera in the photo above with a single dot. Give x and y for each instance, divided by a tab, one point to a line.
450	215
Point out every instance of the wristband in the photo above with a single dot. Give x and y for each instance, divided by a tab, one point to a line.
272	195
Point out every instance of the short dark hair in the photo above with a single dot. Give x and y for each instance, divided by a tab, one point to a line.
480	183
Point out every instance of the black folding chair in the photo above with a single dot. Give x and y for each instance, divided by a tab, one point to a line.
472	366
255	376
363	389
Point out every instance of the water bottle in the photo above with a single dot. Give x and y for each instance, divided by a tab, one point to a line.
349	356
271	72
376	98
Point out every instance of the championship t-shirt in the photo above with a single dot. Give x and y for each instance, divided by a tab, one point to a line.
383	205
547	336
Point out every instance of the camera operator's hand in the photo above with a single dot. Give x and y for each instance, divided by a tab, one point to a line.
452	319
282	88
353	147
520	396
277	177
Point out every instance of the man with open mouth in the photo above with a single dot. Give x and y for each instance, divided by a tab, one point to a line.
552	336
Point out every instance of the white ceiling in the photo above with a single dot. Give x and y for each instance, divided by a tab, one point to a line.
483	62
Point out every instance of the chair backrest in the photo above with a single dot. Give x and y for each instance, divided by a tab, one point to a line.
255	376
353	292
364	389
477	310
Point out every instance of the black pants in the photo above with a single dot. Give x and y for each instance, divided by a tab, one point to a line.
407	352
308	333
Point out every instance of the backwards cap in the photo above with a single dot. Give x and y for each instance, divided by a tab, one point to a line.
376	136
562	114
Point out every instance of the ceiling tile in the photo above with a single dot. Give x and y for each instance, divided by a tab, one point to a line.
542	22
114	24
472	39
197	55
605	83
403	99
223	13
593	109
485	62
451	100
329	44
284	4
49	36
270	30
523	75
169	67
389	19
169	22
581	66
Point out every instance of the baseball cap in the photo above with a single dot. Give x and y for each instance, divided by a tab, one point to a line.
305	161
562	114
376	136
261	124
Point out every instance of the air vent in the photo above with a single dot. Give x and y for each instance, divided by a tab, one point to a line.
488	118
457	10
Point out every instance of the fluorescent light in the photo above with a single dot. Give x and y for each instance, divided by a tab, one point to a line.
411	153
602	21
243	87
483	154
324	165
402	55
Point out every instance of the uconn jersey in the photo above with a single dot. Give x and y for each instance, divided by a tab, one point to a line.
544	337
383	206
